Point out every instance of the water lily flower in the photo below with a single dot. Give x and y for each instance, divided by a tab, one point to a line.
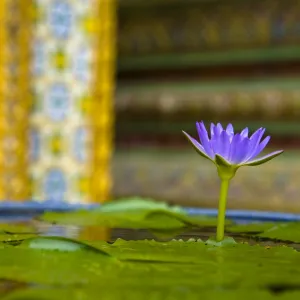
229	151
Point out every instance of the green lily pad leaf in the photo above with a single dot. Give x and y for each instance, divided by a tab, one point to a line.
59	244
145	266
137	203
158	217
10	232
284	232
16	228
179	219
135	292
151	250
251	228
15	238
39	266
169	219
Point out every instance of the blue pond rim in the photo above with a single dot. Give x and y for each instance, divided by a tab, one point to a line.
24	210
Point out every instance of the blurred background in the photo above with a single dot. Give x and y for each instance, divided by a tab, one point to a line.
95	93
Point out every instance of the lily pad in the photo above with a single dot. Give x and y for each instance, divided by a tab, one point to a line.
138	292
16	228
153	265
137	203
251	228
10	232
137	215
59	264
59	244
284	232
13	238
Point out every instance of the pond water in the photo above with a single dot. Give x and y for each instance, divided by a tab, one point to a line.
112	234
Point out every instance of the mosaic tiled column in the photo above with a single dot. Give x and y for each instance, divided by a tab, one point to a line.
71	123
14	98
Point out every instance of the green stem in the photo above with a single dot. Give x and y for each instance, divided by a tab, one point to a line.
222	209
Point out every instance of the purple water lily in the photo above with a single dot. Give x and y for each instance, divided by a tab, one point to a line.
229	151
225	147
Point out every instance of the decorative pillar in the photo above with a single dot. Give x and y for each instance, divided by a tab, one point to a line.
72	118
15	31
103	105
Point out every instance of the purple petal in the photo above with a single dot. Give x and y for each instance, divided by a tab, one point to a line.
217	131
229	129
216	145
202	132
260	147
245	132
263	159
242	151
212	127
220	142
234	146
259	132
239	149
225	145
254	142
219	128
198	147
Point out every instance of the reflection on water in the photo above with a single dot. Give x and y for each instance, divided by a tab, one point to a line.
94	233
88	233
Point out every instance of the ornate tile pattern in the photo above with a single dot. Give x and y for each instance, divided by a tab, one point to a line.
68	51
